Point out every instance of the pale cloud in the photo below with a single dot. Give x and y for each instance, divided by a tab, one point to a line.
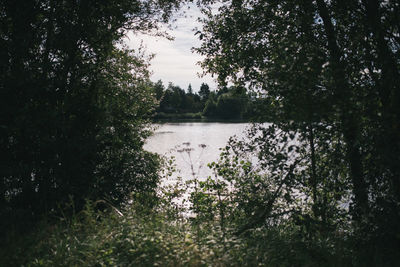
174	62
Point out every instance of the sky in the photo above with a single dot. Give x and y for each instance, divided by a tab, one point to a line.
174	62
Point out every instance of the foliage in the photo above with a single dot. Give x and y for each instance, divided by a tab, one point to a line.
158	89
241	217
150	234
229	106
329	71
73	102
149	231
226	103
210	108
319	186
176	100
204	92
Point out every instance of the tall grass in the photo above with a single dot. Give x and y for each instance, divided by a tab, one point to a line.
136	235
153	229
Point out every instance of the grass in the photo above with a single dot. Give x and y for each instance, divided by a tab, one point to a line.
158	236
130	237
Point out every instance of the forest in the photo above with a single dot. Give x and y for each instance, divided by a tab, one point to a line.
316	184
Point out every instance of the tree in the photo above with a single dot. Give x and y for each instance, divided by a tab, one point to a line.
190	89
71	122
210	108
204	92
158	89
331	66
229	107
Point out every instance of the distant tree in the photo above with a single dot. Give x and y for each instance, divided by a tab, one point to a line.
198	105
159	89
190	89
239	91
174	100
204	92
210	108
166	102
230	106
178	98
227	103
222	90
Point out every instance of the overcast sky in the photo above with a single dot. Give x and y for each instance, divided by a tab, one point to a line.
174	62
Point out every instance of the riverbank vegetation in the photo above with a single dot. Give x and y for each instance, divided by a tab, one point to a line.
318	186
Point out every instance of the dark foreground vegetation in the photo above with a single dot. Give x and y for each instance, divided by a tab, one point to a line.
319	186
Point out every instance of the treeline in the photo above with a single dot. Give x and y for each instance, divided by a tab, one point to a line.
227	103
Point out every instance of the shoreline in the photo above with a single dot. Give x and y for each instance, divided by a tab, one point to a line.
194	117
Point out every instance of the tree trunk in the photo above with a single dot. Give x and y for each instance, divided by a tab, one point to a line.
349	122
313	164
389	94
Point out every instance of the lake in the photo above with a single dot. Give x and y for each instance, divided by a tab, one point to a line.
204	139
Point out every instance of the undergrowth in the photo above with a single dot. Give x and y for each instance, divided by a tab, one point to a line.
158	235
159	229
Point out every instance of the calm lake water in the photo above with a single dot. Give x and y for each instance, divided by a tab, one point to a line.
204	138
